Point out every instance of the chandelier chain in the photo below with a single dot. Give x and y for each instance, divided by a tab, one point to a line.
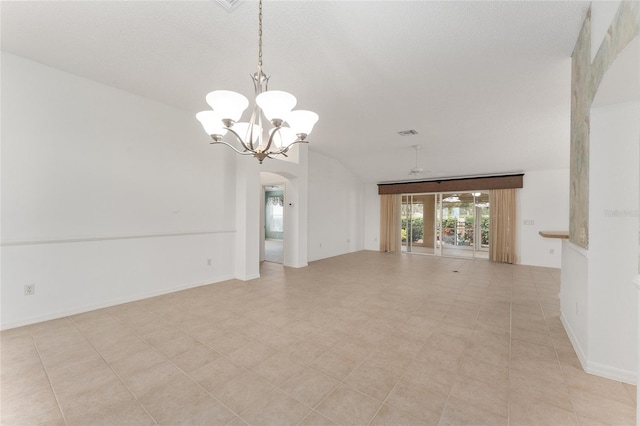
260	35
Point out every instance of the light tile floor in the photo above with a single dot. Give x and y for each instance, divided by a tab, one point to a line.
274	251
365	338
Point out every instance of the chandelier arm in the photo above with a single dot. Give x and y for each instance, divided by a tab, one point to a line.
271	138
244	145
232	147
274	154
254	113
292	144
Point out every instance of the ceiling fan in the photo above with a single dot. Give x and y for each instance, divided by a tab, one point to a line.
416	171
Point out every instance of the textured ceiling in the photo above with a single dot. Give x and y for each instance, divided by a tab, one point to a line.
486	84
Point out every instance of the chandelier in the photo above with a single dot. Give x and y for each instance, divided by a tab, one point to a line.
227	108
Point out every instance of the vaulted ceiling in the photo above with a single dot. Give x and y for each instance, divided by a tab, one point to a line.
486	84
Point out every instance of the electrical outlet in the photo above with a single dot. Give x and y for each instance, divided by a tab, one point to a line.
529	222
551	251
208	262
29	289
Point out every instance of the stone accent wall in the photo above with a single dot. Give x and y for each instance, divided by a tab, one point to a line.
585	80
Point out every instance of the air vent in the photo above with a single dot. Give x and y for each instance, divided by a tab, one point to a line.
407	132
229	5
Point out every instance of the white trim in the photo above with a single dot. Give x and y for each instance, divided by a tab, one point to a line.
582	356
107	238
595	368
611	372
301	265
114	302
248	277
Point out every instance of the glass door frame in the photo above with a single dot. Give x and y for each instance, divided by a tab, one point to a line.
477	199
417	223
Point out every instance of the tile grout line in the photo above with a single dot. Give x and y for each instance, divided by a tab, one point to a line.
395	386
342	382
555	351
475	327
510	343
237	415
135	332
111	368
276	387
403	375
44	368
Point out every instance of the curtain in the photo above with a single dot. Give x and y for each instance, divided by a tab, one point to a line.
275	214
390	223
502	225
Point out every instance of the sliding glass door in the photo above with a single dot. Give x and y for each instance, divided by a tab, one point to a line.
418	223
412	223
446	224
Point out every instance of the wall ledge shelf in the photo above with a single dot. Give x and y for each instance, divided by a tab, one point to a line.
564	235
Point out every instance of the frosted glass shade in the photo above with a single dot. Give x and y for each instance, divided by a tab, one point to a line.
276	104
211	123
227	104
301	121
284	136
242	129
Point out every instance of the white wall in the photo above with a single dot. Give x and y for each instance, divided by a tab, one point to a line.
248	207
543	204
371	217
336	209
106	196
598	299
613	239
80	276
574	297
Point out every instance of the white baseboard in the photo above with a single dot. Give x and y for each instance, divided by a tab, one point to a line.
582	356
595	368
106	304
611	372
301	265
247	277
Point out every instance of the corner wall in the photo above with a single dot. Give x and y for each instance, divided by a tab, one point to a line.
336	209
371	217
